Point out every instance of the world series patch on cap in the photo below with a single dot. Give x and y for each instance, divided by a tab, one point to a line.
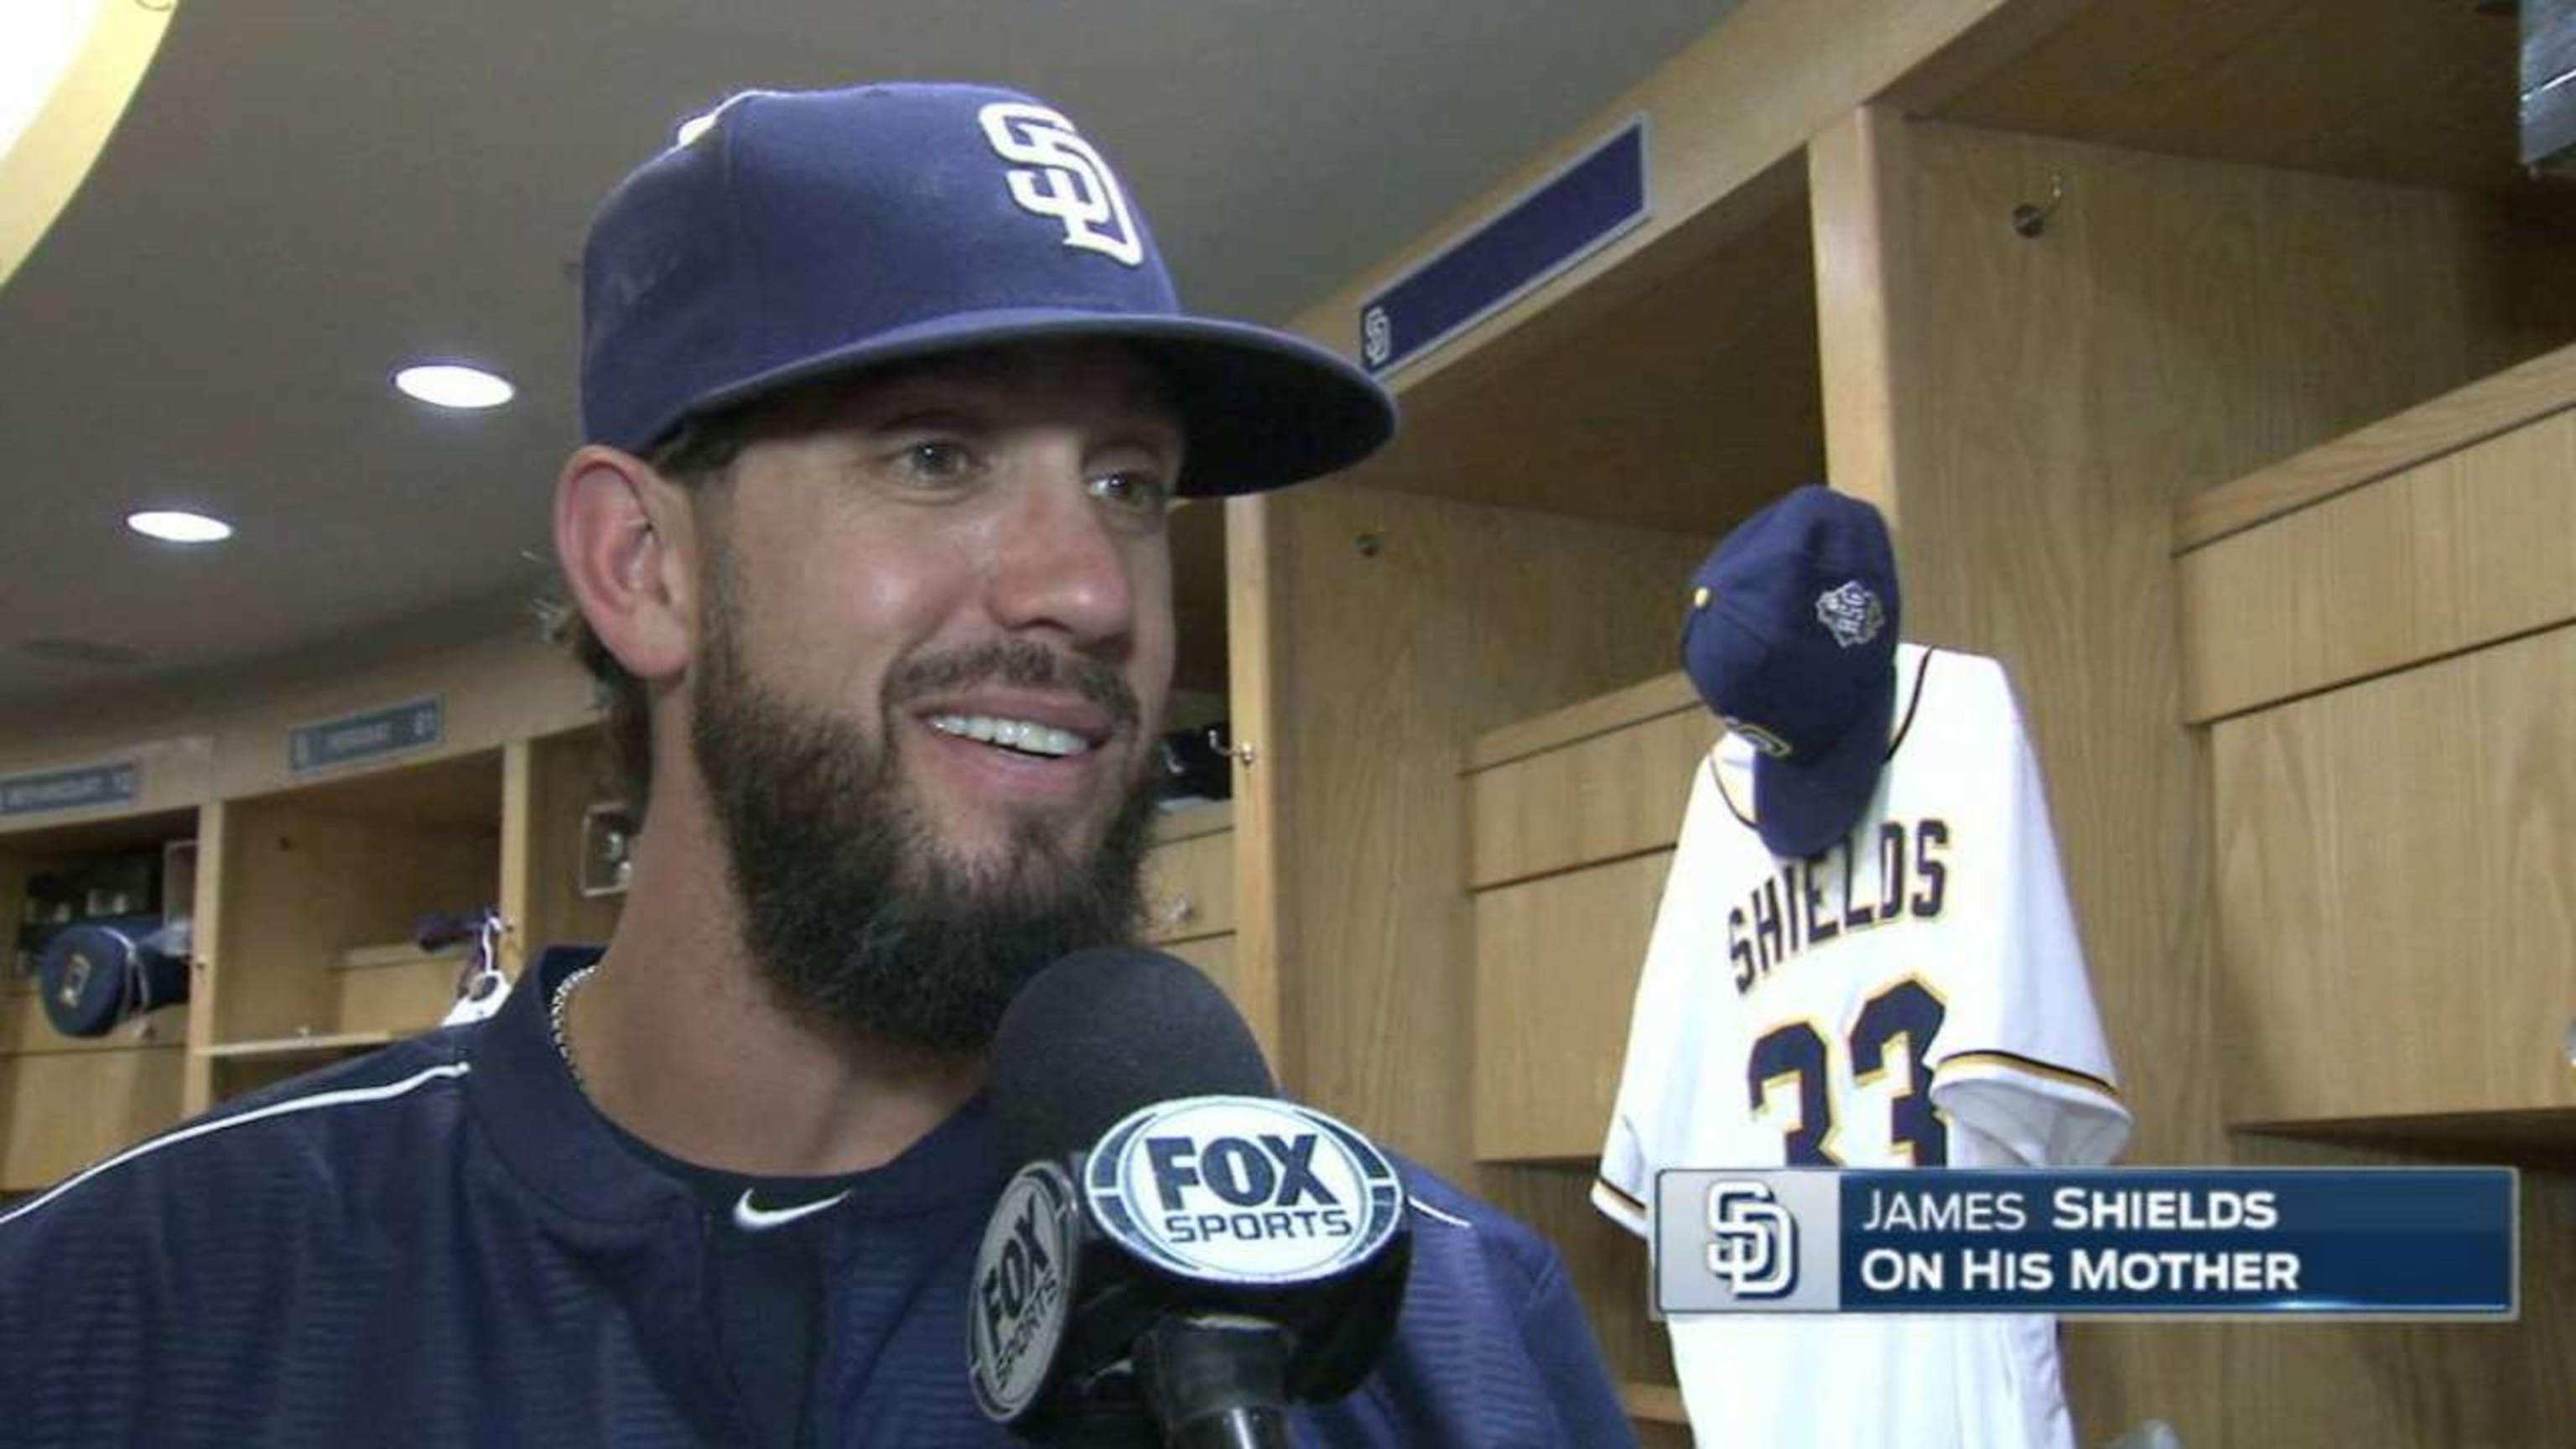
1791	640
796	235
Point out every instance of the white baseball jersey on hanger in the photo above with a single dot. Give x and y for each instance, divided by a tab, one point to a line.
1914	996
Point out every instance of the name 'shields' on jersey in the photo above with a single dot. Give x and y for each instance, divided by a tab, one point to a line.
1898	871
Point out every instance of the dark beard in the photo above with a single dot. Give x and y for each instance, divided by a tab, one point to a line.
860	919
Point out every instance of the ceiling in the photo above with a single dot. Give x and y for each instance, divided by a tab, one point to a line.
303	196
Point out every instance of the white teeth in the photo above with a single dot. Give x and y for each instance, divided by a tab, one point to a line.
1026	736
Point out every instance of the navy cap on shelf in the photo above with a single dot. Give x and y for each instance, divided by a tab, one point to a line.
1791	639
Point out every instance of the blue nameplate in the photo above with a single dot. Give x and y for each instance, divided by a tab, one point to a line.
392	730
118	782
2385	1242
1564	219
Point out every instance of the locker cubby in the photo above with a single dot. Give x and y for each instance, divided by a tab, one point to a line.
66	1101
320	888
568	773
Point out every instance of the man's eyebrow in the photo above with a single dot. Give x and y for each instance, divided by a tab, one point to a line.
1169	442
906	413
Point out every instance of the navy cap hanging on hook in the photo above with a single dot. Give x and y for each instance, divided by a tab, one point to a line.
1791	640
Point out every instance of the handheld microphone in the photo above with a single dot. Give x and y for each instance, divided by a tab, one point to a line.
1185	1254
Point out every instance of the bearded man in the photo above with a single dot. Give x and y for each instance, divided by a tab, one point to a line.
886	398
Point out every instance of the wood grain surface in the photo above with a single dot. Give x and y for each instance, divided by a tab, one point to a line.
61	1111
2474	546
1557	963
2517	396
1600	798
2397	892
2389	90
2053	399
1454	620
304	880
25	1030
1189	888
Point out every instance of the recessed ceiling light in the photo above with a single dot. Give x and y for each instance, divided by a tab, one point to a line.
453	385
178	527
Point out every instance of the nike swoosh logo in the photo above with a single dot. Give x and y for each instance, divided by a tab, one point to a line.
753	1219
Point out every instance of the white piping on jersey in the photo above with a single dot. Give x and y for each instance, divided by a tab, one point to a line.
1428	1211
356	1095
349	1097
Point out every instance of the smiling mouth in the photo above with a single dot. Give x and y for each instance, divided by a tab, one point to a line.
1018	736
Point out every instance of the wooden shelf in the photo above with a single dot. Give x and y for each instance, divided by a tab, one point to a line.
2540	1137
1605	714
2471	415
1189	878
399	953
25	1031
1586	785
2442	530
1189	822
298	1046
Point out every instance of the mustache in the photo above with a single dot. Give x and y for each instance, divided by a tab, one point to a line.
1020	663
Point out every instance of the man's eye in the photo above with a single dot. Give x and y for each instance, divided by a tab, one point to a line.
1142	494
937	462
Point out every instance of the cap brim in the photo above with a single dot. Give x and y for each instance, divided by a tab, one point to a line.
1800	809
1262	409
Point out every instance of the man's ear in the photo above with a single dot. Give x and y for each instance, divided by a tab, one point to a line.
624	536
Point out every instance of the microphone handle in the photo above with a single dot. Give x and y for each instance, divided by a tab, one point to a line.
1217	1381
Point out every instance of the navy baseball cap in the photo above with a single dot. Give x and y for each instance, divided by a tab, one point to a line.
802	234
1791	639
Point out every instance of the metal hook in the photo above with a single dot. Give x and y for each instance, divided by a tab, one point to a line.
481	970
2029	220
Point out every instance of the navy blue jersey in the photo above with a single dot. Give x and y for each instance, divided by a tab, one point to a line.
444	1244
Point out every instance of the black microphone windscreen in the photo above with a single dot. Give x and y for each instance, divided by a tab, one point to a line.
1103	1032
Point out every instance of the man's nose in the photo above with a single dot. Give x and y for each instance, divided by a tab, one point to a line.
1060	566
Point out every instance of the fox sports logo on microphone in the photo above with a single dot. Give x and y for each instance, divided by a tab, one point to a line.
1023	1291
1243	1190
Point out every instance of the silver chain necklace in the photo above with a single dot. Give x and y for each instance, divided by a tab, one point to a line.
555	1015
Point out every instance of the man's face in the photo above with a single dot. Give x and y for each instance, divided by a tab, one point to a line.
937	639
